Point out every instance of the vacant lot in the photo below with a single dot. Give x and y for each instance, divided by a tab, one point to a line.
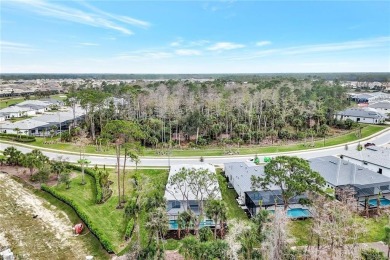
33	228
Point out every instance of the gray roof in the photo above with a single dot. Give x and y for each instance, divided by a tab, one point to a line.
14	109
360	112
382	104
270	197
373	154
338	172
242	173
27	124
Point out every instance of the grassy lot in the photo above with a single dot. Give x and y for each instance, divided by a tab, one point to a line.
6	102
349	137
110	219
300	229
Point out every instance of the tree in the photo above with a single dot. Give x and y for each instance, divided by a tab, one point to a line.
83	163
215	209
292	175
132	150
157	225
58	166
13	156
43	174
18	132
387	240
35	160
64	177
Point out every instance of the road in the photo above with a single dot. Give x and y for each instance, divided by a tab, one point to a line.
381	139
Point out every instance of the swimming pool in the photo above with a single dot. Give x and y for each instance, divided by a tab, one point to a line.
297	213
174	226
383	202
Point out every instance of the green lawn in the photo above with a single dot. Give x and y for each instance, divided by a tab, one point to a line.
106	216
6	102
349	137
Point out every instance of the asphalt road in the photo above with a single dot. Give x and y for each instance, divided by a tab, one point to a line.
379	140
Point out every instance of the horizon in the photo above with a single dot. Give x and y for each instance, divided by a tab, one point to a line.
194	37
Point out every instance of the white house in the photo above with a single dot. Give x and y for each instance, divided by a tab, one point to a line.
15	111
2	117
374	158
181	197
26	127
361	115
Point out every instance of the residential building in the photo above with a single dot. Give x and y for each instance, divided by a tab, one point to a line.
2	117
382	107
26	127
374	158
15	111
361	115
179	201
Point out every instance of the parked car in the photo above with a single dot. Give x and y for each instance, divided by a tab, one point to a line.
369	144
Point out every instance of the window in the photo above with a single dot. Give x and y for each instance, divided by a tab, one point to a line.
365	163
194	206
380	171
176	204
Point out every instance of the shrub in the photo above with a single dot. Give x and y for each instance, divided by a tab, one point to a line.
17	138
87	220
129	228
205	234
372	254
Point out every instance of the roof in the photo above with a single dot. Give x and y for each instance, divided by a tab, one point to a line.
373	154
173	194
242	173
338	172
14	109
35	102
382	104
26	124
361	112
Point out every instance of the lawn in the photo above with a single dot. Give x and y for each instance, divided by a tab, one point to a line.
6	102
345	138
106	216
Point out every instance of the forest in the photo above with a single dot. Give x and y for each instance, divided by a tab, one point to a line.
220	112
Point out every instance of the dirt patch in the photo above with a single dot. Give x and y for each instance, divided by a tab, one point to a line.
33	228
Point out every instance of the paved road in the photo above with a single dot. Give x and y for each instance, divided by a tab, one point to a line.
381	139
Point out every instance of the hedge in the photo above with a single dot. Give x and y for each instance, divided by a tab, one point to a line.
96	177
129	228
18	138
87	220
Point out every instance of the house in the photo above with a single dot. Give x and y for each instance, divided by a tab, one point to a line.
382	107
361	115
179	201
2	117
374	158
15	111
239	175
26	127
341	174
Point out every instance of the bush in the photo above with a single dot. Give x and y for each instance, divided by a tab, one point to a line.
205	234
18	138
372	254
96	177
129	228
87	220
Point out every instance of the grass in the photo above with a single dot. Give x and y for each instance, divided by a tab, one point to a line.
110	219
337	140
300	229
6	102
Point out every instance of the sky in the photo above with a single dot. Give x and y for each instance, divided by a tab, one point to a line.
41	36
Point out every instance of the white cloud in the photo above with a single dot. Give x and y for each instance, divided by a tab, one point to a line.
144	55
223	46
88	44
97	18
263	43
188	52
14	47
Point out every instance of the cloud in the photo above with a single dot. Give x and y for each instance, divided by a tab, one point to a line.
88	44
97	18
188	52
263	43
320	48
223	46
144	55
14	47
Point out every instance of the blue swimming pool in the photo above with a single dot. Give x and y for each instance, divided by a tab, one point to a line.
174	226
383	202
297	213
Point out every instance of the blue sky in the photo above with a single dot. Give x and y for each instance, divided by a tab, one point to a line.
39	36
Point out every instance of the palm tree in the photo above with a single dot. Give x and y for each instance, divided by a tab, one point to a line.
158	225
18	132
214	210
83	163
